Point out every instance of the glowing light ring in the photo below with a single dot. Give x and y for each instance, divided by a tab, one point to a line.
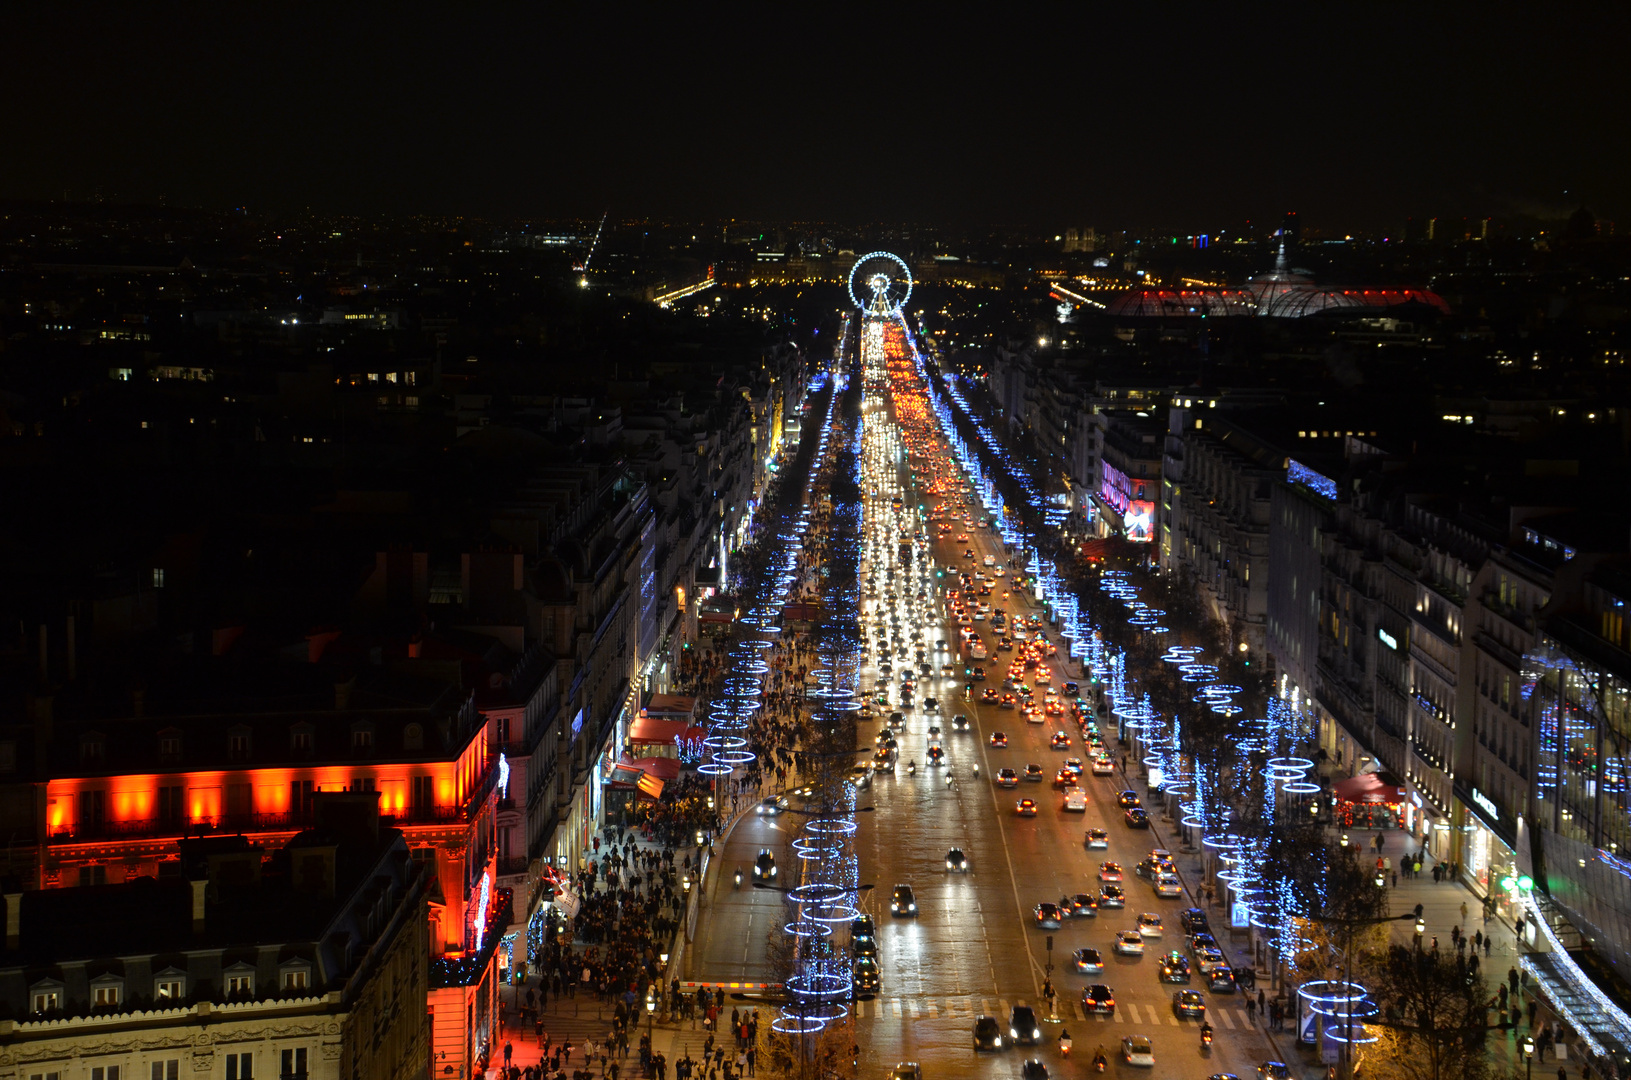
818	985
1228	710
831	826
1221	688
807	928
1301	787
787	1024
1301	763
724	742
708	768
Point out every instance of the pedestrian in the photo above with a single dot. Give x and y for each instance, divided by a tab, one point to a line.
1437	873
752	1053
1463	911
1251	1010
509	1051
1395	879
1260	999
1487	941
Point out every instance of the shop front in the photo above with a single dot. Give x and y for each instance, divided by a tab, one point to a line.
1489	863
1374	800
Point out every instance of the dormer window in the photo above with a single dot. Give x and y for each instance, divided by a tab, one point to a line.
45	997
107	992
362	737
170	744
238	743
239	982
93	748
413	737
302	738
294	976
169	987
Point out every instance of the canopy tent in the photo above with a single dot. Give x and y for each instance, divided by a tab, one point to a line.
654	731
1369	788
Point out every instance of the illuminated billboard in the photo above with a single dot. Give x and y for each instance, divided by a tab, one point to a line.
1125	495
1139	522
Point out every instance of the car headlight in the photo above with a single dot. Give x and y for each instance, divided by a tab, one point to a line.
1037	1034
911	907
999	1040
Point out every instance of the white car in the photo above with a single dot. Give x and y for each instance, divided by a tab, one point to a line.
1098	838
1167	886
1130	943
1149	925
1076	801
1103	766
1136	1050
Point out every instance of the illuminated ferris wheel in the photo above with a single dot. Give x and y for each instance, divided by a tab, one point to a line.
880	284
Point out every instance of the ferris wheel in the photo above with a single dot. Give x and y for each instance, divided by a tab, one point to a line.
880	283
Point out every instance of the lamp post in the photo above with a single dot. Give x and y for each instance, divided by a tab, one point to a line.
651	1011
1528	1055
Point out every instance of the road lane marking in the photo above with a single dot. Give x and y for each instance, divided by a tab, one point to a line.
895	1006
1223	1018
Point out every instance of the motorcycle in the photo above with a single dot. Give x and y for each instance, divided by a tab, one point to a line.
1206	1035
976	770
1064	1044
911	767
1099	1061
948	778
738	877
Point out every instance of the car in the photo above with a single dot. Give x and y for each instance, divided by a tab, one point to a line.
1007	778
988	696
1174	968
1103	766
1111	896
1033	1069
1110	871
1221	980
1208	959
773	805
1071	689
1034	715
1006	701
1149	925
1025	808
1136	1050
861	776
906	1070
1064	779
1073	765
979	674
883	761
764	867
1202	941
1076	801
1082	905
1193	921
1189	1005
904	902
1060	741
1023	1027
897	720
1128	799
1168	886
931	705
1088	961
1136	818
956	861
862	926
999	739
959	723
866	976
1033	773
1048	916
1098	838
987	1035
935	756
1151	868
1273	1070
864	946
1098	998
1129	943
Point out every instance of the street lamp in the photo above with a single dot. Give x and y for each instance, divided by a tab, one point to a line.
1528	1055
651	1010
685	883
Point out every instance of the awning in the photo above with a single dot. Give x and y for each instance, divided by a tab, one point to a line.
1369	788
715	617
644	773
655	731
670	706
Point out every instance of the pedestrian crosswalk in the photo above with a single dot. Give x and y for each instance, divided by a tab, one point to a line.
969	1008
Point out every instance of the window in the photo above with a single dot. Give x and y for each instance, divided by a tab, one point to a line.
170	745
169	986
240	800
93	809
240	981
240	1067
294	1065
299	979
300	797
158	577
47	1000
107	992
423	794
300	738
170	805
92	748
94	874
362	739
168	1069
413	737
105	1072
45	1076
238	744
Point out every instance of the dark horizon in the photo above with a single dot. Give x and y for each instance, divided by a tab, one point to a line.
1343	112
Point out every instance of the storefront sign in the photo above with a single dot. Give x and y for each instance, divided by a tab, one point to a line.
1486	804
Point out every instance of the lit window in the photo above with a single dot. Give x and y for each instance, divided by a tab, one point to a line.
158	571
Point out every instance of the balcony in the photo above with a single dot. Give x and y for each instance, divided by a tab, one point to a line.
513	865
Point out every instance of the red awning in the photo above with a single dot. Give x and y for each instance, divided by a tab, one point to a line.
652	731
1369	788
715	616
628	771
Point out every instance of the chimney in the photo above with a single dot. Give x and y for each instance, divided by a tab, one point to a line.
45	667
200	887
14	920
73	658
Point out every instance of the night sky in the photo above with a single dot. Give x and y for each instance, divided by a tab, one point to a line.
1161	115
